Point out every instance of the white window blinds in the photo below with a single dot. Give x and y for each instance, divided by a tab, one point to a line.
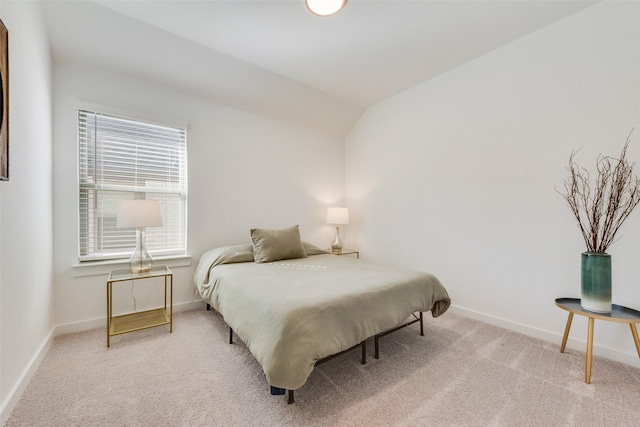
121	159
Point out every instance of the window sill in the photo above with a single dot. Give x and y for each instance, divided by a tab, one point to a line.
98	268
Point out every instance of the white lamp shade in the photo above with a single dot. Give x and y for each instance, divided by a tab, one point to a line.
139	213
325	7
338	216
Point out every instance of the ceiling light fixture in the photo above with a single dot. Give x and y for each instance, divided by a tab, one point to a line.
325	7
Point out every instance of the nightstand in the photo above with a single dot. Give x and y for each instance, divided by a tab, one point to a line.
125	323
347	252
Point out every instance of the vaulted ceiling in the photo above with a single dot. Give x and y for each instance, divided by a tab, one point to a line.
276	59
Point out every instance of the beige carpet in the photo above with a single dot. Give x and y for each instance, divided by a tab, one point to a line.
462	373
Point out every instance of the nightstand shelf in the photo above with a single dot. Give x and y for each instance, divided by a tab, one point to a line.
137	321
122	324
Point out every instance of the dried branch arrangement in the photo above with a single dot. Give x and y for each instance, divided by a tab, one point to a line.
601	210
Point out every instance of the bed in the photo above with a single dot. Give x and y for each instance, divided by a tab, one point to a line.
292	313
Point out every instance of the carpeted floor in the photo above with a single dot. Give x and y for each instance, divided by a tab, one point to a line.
461	373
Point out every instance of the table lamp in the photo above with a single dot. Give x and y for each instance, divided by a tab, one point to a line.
139	214
337	217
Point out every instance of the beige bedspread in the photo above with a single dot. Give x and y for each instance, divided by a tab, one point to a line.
292	313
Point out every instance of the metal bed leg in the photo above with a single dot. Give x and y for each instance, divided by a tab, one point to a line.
377	337
363	347
208	307
230	335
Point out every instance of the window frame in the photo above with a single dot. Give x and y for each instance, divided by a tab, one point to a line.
102	258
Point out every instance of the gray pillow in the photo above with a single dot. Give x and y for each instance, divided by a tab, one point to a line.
274	245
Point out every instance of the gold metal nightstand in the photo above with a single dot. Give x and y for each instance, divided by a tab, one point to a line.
347	252
125	323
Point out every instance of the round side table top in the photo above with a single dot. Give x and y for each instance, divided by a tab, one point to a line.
618	313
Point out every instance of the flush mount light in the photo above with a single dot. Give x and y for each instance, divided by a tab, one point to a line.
325	7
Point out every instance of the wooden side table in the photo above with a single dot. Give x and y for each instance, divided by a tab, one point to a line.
123	324
618	314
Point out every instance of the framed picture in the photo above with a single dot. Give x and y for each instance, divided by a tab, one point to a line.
4	102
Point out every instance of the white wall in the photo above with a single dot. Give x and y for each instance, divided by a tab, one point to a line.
245	171
457	176
26	287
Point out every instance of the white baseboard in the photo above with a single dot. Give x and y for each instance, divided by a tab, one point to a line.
14	395
552	337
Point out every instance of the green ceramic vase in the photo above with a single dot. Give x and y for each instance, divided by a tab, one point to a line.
596	282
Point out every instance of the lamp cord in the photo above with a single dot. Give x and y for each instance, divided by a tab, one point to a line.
132	297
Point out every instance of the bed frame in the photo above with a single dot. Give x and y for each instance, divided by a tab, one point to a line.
376	337
362	345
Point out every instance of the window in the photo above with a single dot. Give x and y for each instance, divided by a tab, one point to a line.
120	158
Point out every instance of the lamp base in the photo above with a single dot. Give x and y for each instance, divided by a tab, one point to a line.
138	269
141	260
336	245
